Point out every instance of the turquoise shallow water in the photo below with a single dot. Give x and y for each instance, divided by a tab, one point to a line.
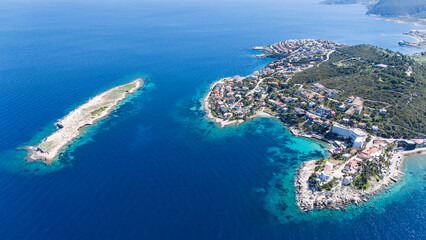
156	168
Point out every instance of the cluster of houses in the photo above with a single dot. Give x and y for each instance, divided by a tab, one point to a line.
314	119
296	55
318	93
316	113
373	153
352	165
226	94
319	88
358	138
238	96
361	125
304	47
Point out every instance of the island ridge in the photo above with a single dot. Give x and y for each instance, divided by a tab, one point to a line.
69	127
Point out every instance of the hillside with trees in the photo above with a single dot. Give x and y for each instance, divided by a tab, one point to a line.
384	79
398	8
407	10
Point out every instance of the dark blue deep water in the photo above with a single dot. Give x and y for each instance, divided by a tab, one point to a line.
156	168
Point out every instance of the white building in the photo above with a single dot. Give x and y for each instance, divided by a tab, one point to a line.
324	176
357	136
329	164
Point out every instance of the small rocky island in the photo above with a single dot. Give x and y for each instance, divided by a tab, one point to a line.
366	102
68	128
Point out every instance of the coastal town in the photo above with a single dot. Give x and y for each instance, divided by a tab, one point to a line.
231	100
361	162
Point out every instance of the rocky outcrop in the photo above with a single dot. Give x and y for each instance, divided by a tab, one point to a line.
339	196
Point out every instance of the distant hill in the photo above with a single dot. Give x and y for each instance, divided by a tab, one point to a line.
415	9
398	8
365	2
383	78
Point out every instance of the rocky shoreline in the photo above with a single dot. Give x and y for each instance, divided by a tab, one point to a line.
309	199
68	128
361	164
339	197
206	107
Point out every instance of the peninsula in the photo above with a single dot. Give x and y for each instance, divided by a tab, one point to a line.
407	11
366	102
419	35
69	127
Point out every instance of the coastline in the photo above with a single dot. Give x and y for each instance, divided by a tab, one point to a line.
400	20
209	115
308	199
418	35
358	168
260	113
69	127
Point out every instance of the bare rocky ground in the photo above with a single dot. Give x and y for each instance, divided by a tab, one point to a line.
69	126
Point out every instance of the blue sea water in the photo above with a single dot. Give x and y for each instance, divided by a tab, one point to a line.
156	168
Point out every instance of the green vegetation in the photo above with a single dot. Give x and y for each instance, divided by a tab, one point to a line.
398	8
313	183
413	44
97	111
120	90
390	8
420	58
368	170
388	86
328	186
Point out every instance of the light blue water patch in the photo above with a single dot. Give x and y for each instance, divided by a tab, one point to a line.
157	163
280	198
412	182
